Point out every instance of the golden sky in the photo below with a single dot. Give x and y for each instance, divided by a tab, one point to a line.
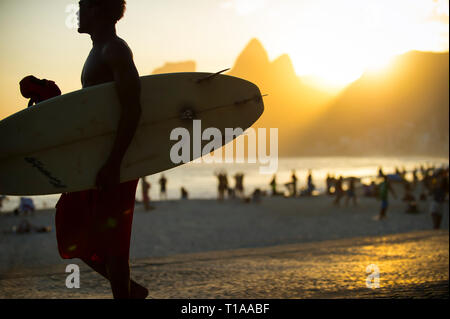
332	41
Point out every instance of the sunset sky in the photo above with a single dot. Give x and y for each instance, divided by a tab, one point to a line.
333	41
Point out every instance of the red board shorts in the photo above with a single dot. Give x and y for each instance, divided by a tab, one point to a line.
95	224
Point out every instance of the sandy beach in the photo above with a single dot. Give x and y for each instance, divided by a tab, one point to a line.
177	228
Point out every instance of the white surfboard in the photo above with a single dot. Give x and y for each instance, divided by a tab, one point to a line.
60	144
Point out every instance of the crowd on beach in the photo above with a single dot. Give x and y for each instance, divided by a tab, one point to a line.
419	184
426	182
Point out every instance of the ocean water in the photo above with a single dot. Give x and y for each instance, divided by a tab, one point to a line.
200	181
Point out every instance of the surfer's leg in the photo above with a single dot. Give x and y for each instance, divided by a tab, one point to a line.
114	208
136	290
118	271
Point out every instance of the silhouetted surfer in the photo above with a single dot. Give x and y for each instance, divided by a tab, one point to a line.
95	225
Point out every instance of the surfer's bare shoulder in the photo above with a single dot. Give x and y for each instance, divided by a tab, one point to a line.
118	55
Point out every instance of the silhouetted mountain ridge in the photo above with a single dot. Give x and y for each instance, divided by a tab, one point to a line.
290	104
173	67
402	110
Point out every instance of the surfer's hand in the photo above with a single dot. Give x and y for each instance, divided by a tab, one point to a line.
108	176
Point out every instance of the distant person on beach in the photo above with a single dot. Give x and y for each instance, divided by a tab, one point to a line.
338	191
231	192
373	189
310	185
222	186
351	192
370	189
424	187
2	199
410	199
23	227
439	192
239	185
403	173
380	172
329	184
273	186
145	194
163	187
415	177
423	173
26	205
408	196
385	188
184	193
292	185
256	196
38	90
26	227
95	225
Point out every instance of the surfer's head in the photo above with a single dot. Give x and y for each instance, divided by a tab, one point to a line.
93	13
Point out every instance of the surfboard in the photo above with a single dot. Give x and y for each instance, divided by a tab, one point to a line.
59	145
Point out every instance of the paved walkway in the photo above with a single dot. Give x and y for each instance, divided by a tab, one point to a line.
411	265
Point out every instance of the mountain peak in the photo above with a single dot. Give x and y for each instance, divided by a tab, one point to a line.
253	57
255	45
284	62
171	67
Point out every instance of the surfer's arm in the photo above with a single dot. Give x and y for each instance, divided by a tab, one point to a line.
120	60
128	89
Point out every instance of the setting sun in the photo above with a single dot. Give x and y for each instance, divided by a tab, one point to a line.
337	41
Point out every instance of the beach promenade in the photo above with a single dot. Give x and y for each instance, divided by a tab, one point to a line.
411	265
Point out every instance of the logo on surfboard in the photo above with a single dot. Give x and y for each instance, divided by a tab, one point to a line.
40	167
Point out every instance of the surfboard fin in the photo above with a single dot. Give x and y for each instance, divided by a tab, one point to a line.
212	76
256	98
